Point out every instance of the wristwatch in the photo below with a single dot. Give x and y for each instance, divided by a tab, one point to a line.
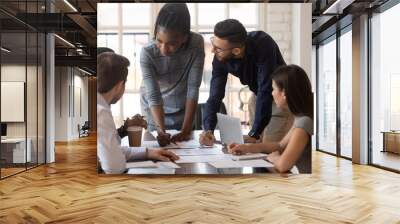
254	135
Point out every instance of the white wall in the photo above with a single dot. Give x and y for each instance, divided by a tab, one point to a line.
290	26
67	115
33	127
16	73
12	73
80	83
278	24
61	103
302	36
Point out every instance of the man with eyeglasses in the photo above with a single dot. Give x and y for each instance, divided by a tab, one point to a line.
252	57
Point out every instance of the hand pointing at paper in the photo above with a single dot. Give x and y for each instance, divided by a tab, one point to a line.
162	155
207	138
238	149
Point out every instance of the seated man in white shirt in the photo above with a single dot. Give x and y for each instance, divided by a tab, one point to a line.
112	72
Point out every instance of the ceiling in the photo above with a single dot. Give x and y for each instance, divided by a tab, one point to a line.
331	15
74	21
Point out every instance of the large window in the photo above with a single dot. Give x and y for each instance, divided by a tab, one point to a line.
327	96
334	108
132	45
346	93
385	88
126	35
109	40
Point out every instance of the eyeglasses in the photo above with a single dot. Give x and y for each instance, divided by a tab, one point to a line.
218	50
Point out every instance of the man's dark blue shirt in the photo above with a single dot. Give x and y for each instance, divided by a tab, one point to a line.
262	57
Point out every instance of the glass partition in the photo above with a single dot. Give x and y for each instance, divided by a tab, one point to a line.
14	153
22	77
31	98
41	109
327	96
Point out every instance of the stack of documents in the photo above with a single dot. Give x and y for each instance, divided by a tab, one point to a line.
216	158
151	164
203	158
150	167
197	151
192	152
192	144
144	164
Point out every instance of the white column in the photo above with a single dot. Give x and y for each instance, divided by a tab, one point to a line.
50	101
314	89
302	36
360	90
50	92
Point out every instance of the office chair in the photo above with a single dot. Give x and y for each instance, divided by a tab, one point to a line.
84	130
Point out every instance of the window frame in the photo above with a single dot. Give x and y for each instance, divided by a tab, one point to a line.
334	37
379	10
120	30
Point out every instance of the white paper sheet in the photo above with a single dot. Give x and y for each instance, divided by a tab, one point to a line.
154	144
169	165
150	144
197	152
142	164
203	158
294	170
240	164
192	144
171	132
249	156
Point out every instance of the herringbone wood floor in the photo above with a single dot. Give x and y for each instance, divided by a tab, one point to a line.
70	191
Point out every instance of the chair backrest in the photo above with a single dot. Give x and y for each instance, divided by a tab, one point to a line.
304	163
86	125
198	117
222	109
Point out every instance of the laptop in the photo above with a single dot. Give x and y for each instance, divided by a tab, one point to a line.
230	129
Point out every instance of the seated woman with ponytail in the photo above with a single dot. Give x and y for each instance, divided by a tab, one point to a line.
292	90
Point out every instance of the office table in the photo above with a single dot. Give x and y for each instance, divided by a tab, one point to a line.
391	141
201	169
13	151
196	168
